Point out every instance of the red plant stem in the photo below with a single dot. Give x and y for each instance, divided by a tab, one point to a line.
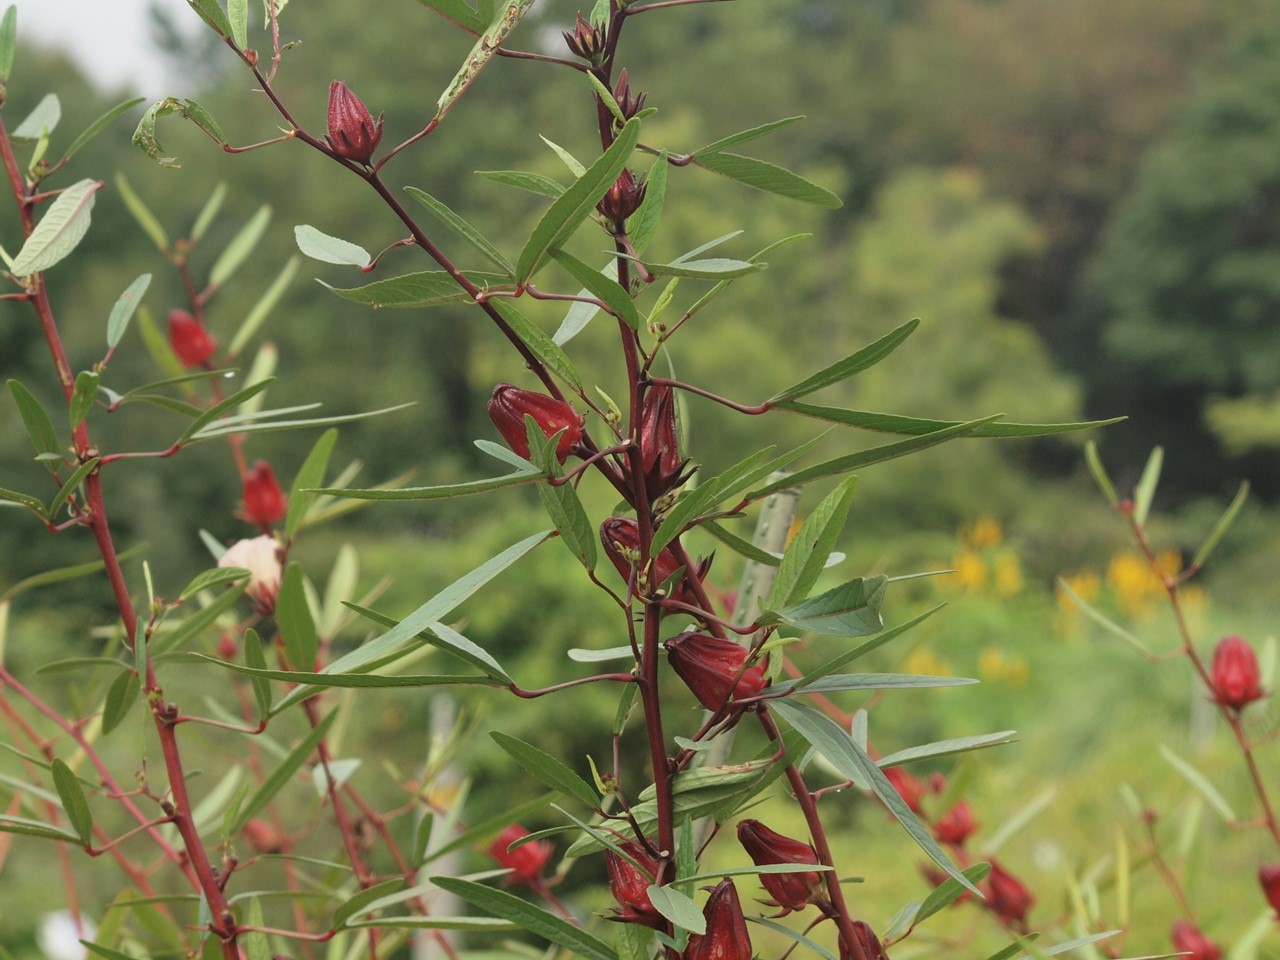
724	401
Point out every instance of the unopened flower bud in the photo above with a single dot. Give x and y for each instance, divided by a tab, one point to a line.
790	891
1007	897
955	826
353	133
259	556
872	949
190	339
660	442
1236	676
1269	878
508	407
264	501
1187	938
228	647
622	199
726	937
630	886
629	103
527	861
585	40
262	837
714	669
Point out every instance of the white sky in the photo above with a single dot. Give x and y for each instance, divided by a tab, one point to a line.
109	38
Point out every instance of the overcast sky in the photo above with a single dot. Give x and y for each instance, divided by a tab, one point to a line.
108	37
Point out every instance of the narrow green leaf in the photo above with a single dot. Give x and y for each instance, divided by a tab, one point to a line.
835	744
211	13
1201	783
457	11
1145	492
605	289
740	545
548	769
582	312
720	287
34	504
284	772
98	125
238	14
575	204
1100	619
41	121
34	828
530	917
429	288
293	616
107	952
444	492
702	498
210	210
121	696
37	423
1099	473
680	909
487	830
218	409
8	39
715	268
446	638
768	177
59	231
643	224
74	802
327	249
849	610
942	748
1075	943
1018	946
142	214
255	659
345	911
123	309
875	681
198	621
495	33
949	891
523	180
1224	522
806	555
358	681
73	481
240	247
916	426
82	397
434	922
262	423
463	229
302	494
256	944
853	364
60	574
746	135
213	577
262	309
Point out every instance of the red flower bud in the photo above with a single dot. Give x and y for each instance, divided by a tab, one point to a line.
631	887
262	837
1007	897
714	669
910	789
629	103
955	826
1269	878
726	937
526	861
228	647
264	501
1188	939
585	40
872	949
508	406
790	891
622	199
660	442
189	339
353	133
1236	677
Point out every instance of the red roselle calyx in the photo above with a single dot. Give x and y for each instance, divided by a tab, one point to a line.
1236	677
509	405
790	891
629	103
715	670
353	133
527	861
264	501
1269	878
1007	897
660	442
620	537
726	937
872	949
585	40
955	826
630	886
622	199
190	339
1187	938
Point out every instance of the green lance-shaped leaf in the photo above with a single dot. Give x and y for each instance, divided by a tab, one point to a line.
255	659
8	41
943	748
767	177
837	747
817	948
807	554
582	312
746	136
313	682
1145	492
548	769
917	427
144	137
256	944
446	638
849	610
74	802
99	125
260	310
1099	473
37	423
198	621
34	504
218	409
60	574
123	309
211	13
353	907
240	247
1101	619
35	828
495	34
1224	522
293	616
41	121
561	501
458	11
605	289
529	917
837	683
949	891
142	214
238	14
121	696
537	183
643	224
209	211
1201	783
59	231
429	288
82	397
851	365
539	344
71	484
213	577
265	421
575	204
714	268
463	229
320	246
284	772
443	492
310	476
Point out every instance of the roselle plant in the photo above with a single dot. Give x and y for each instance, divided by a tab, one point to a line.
253	621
